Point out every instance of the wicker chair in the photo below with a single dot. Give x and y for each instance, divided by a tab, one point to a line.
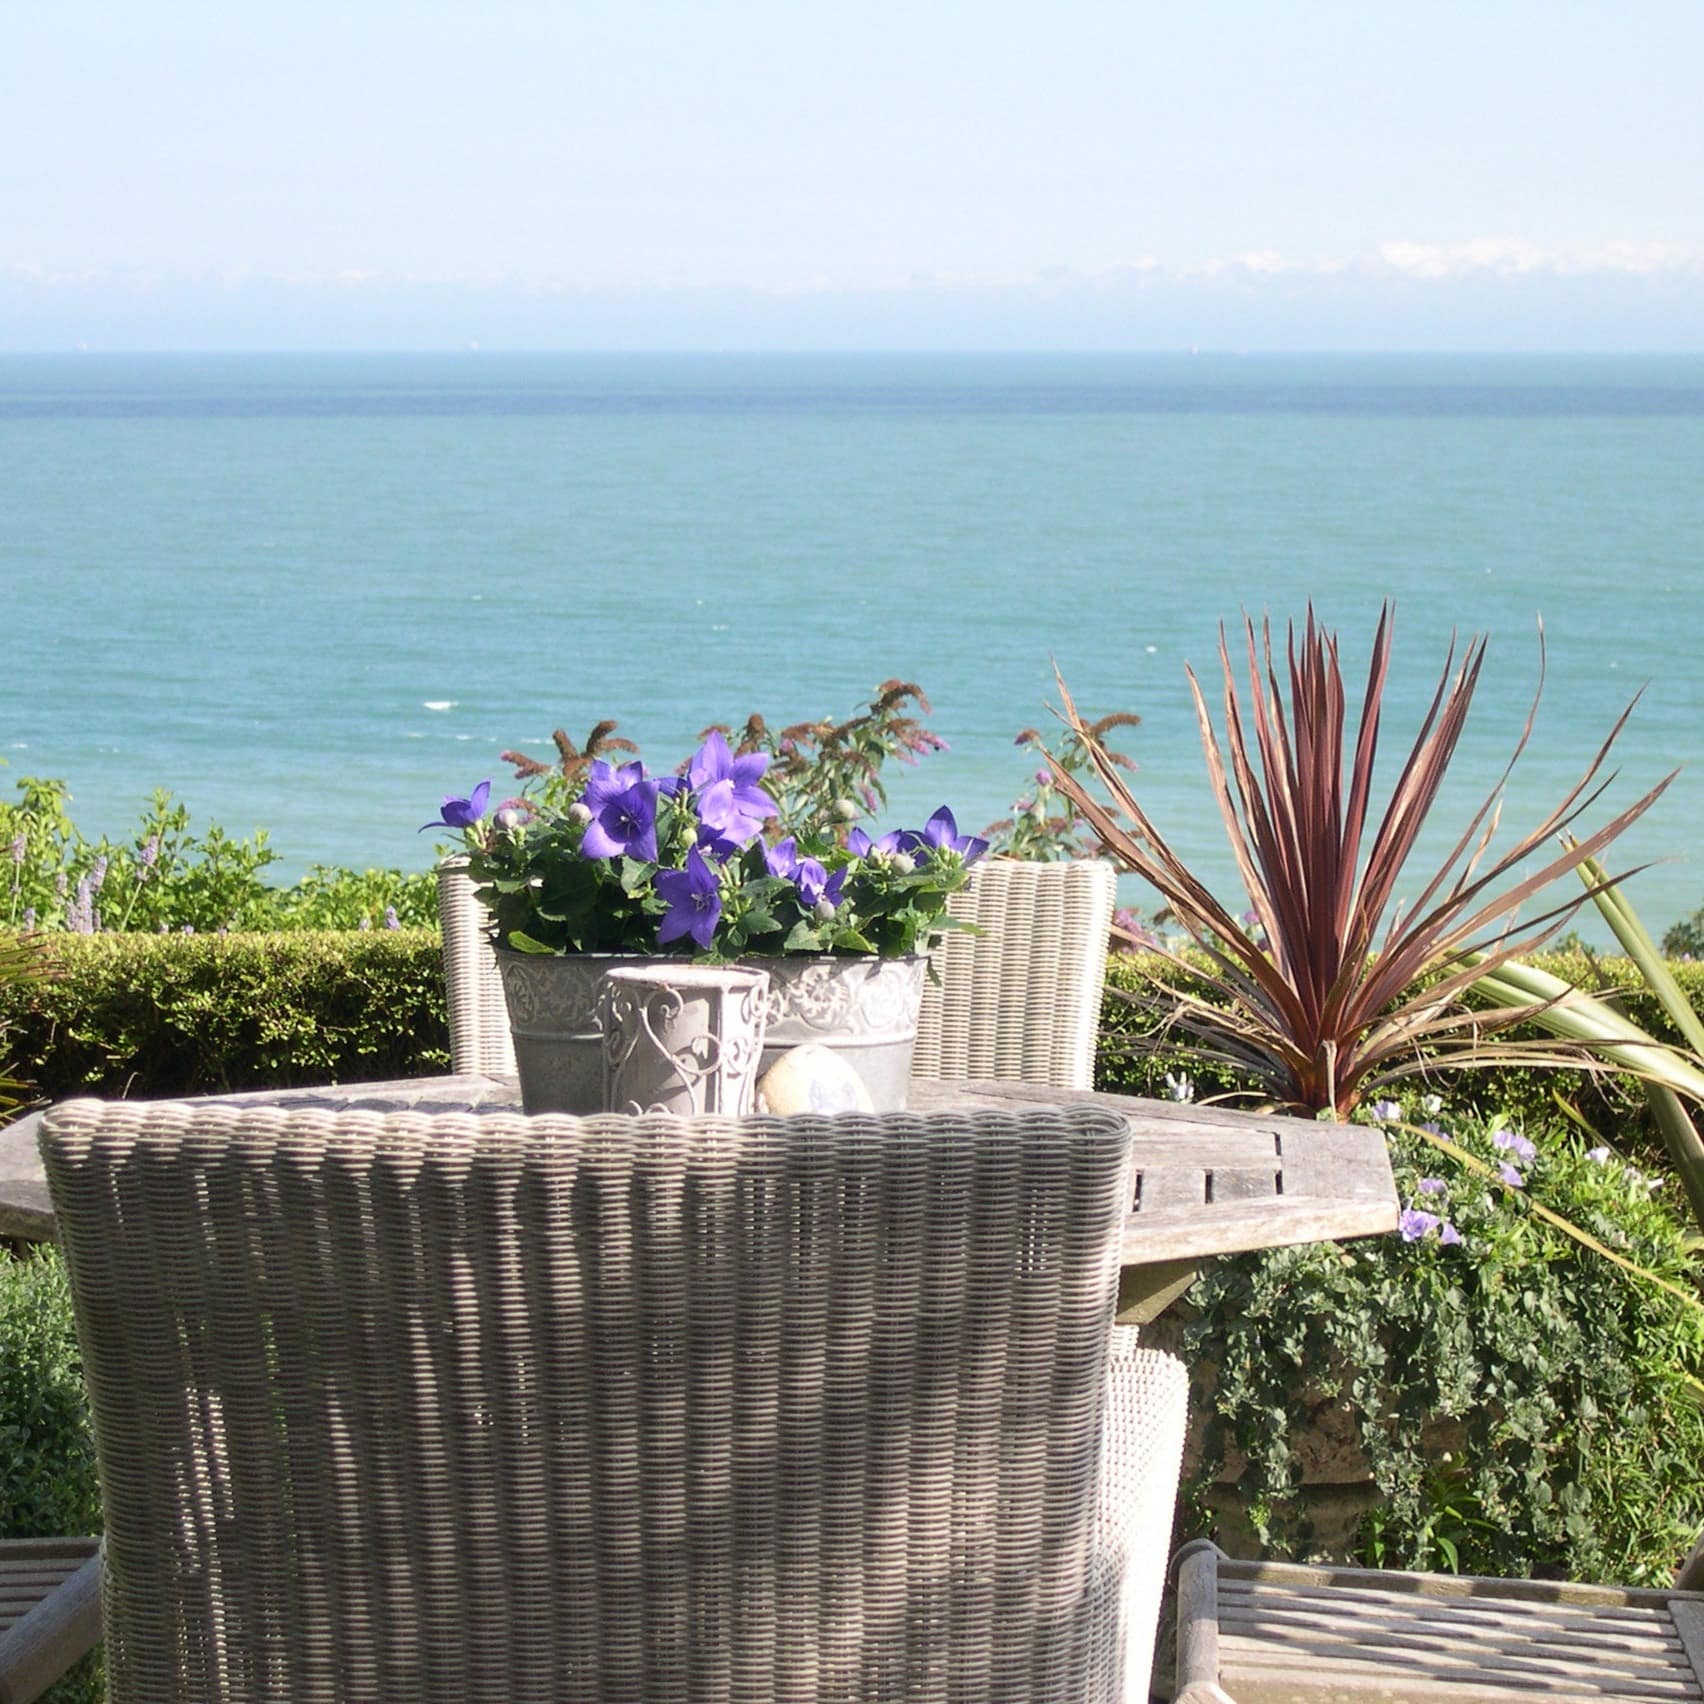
1019	1001
479	1020
1282	1633
452	1407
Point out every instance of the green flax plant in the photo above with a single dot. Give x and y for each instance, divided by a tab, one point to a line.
1672	1076
1323	995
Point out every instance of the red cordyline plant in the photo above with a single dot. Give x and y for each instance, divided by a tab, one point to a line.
1335	1001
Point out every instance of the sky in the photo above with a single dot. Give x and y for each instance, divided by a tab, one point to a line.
659	174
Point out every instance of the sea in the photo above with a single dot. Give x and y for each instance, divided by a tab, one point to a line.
313	595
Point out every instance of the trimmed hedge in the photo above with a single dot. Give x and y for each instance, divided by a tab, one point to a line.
163	1015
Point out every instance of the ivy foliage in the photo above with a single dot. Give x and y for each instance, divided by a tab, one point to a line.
1525	1407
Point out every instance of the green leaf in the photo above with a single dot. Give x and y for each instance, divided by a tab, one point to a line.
521	942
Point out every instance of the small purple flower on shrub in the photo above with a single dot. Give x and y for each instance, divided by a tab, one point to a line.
1511	1140
1510	1176
1414	1224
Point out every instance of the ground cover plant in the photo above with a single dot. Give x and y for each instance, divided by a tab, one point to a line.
1524	1407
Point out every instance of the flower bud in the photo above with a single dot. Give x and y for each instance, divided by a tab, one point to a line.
904	863
508	819
579	813
824	911
846	810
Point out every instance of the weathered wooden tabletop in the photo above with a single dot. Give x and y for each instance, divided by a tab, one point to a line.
1209	1181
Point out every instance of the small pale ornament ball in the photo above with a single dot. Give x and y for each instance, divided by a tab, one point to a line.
812	1078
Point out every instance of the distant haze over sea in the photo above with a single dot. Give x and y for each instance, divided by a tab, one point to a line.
314	594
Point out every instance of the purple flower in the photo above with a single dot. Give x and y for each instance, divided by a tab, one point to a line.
1448	1233
814	882
1432	1186
20	845
392	921
1510	1176
817	887
460	813
98	874
896	840
694	901
713	843
729	798
1509	1139
1044	778
1386	1111
1415	1224
365	923
150	851
941	832
29	918
1600	1155
623	806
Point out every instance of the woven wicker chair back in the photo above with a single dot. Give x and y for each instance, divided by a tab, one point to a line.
405	1407
479	1019
1022	1000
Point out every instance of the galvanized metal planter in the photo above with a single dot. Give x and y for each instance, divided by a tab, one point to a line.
863	1008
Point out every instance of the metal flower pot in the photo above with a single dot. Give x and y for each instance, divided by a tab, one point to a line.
863	1008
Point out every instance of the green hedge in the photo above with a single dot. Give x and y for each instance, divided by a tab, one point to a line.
47	1458
161	1015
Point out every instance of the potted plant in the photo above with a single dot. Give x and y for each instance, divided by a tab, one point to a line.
620	866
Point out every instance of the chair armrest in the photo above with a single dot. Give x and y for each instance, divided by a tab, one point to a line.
40	1646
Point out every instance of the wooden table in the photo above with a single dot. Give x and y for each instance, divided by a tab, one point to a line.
1208	1181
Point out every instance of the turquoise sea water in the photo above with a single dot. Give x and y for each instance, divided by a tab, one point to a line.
315	594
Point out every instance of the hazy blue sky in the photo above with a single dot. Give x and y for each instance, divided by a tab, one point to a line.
1496	174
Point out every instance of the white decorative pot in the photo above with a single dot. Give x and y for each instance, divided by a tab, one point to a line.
863	1008
683	1039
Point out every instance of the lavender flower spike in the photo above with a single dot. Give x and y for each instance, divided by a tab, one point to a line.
694	901
624	813
460	813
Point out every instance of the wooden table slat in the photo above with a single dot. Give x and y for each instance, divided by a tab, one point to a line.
1275	1181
